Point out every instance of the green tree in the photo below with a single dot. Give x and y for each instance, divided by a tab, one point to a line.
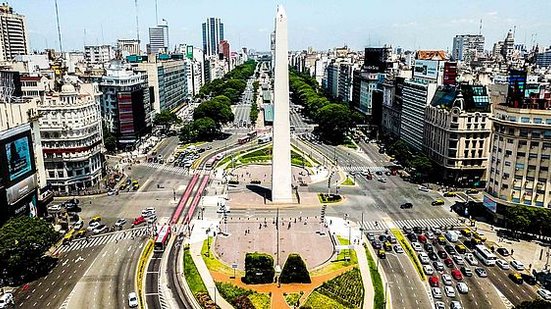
259	268
188	134
222	99
216	110
334	121
109	140
205	129
166	118
23	241
294	270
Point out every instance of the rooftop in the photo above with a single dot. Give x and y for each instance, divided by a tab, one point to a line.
475	98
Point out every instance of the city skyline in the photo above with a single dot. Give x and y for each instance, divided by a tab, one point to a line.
249	23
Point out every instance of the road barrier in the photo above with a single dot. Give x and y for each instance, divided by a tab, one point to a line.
410	252
140	270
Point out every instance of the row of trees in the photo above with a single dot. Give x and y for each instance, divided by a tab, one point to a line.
253	116
526	219
232	85
259	269
208	119
419	162
334	119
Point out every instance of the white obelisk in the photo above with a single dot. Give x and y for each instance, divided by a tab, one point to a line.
281	160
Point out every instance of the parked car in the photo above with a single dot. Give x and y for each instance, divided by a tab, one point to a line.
439	305
455	305
450	291
433	281
436	292
447	279
416	246
462	288
424	258
438	266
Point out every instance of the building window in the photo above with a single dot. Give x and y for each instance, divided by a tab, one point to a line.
538	120
509	141
507	163
548	121
523	133
533	155
524	119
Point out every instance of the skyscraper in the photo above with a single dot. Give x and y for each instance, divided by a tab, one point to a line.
213	33
13	34
158	39
466	47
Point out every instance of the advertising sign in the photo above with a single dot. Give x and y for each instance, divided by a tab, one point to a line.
21	189
489	203
18	156
426	69
189	52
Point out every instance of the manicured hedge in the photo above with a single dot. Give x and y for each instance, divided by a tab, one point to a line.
294	270
259	268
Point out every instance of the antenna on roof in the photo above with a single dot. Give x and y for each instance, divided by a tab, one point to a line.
137	21
156	13
58	27
480	28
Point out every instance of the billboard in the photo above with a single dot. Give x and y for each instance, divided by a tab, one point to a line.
450	73
489	203
375	59
426	69
18	157
189	52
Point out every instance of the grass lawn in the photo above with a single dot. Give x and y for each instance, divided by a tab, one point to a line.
378	288
264	154
214	264
292	298
260	300
339	262
193	278
348	182
346	288
324	200
319	301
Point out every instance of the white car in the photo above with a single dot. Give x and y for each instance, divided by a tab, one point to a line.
6	299
78	225
423	188
449	290
439	305
424	258
416	246
148	212
438	266
462	288
120	222
458	260
398	249
517	265
430	235
545	294
132	300
152	219
455	305
446	279
93	225
502	264
54	208
100	229
470	258
436	292
428	270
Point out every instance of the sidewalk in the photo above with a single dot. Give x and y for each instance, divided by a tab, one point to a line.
369	294
196	243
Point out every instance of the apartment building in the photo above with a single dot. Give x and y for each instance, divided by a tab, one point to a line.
13	34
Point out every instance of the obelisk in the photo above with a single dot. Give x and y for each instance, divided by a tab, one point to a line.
281	159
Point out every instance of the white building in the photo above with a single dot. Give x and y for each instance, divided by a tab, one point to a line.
158	40
128	46
467	47
98	54
415	97
71	133
13	34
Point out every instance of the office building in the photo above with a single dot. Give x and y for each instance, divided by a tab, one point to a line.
158	40
167	82
125	105
467	47
543	60
72	138
213	33
128	46
457	133
392	106
98	54
13	34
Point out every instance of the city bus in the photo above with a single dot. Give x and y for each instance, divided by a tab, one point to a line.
485	255
163	236
251	134
243	140
210	162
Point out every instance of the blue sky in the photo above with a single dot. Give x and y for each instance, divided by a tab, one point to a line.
322	24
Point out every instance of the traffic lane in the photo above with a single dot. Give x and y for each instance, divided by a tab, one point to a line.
515	293
52	289
481	294
372	151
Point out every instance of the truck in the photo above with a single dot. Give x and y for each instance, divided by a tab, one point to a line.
452	236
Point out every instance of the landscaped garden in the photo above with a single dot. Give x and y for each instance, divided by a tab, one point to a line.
262	155
378	288
243	298
344	291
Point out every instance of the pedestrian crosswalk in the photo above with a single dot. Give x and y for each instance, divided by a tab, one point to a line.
93	241
168	168
372	169
374	226
427	223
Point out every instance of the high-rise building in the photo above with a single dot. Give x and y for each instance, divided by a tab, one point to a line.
129	46
543	60
72	138
213	33
508	47
125	105
13	34
158	39
467	47
167	82
98	54
224	48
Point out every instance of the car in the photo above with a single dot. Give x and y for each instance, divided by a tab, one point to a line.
449	290
448	262
502	264
398	249
503	251
439	305
516	277
461	249
78	225
437	202
458	260
80	234
387	245
466	271
450	249
416	246
150	211
381	179
120	222
382	238
428	270
438	266
442	254
424	258
446	279
481	272
152	219
422	238
379	173
406	205
423	188
471	191
6	300
455	305
433	281
529	279
54	208
441	240
450	194
466	232
471	259
95	219
517	265
139	220
376	245
111	192
93	224
429	247
430	235
545	294
132	300
370	236
436	292
462	288
382	254
100	229
433	256
407	229
456	274
418	229
412	237
392	239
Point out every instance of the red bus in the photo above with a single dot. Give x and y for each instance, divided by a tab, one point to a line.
243	140
163	236
211	162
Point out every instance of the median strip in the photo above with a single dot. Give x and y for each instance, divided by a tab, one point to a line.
410	252
377	281
147	250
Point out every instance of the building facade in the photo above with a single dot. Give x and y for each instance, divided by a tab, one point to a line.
168	82
13	34
158	40
467	47
543	60
129	46
213	33
98	54
125	105
457	133
392	106
415	97
72	138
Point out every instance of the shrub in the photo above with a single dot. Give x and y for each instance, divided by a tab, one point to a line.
205	301
231	292
243	302
346	288
259	268
294	270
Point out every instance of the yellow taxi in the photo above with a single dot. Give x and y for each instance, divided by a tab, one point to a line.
69	236
479	236
466	232
437	202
